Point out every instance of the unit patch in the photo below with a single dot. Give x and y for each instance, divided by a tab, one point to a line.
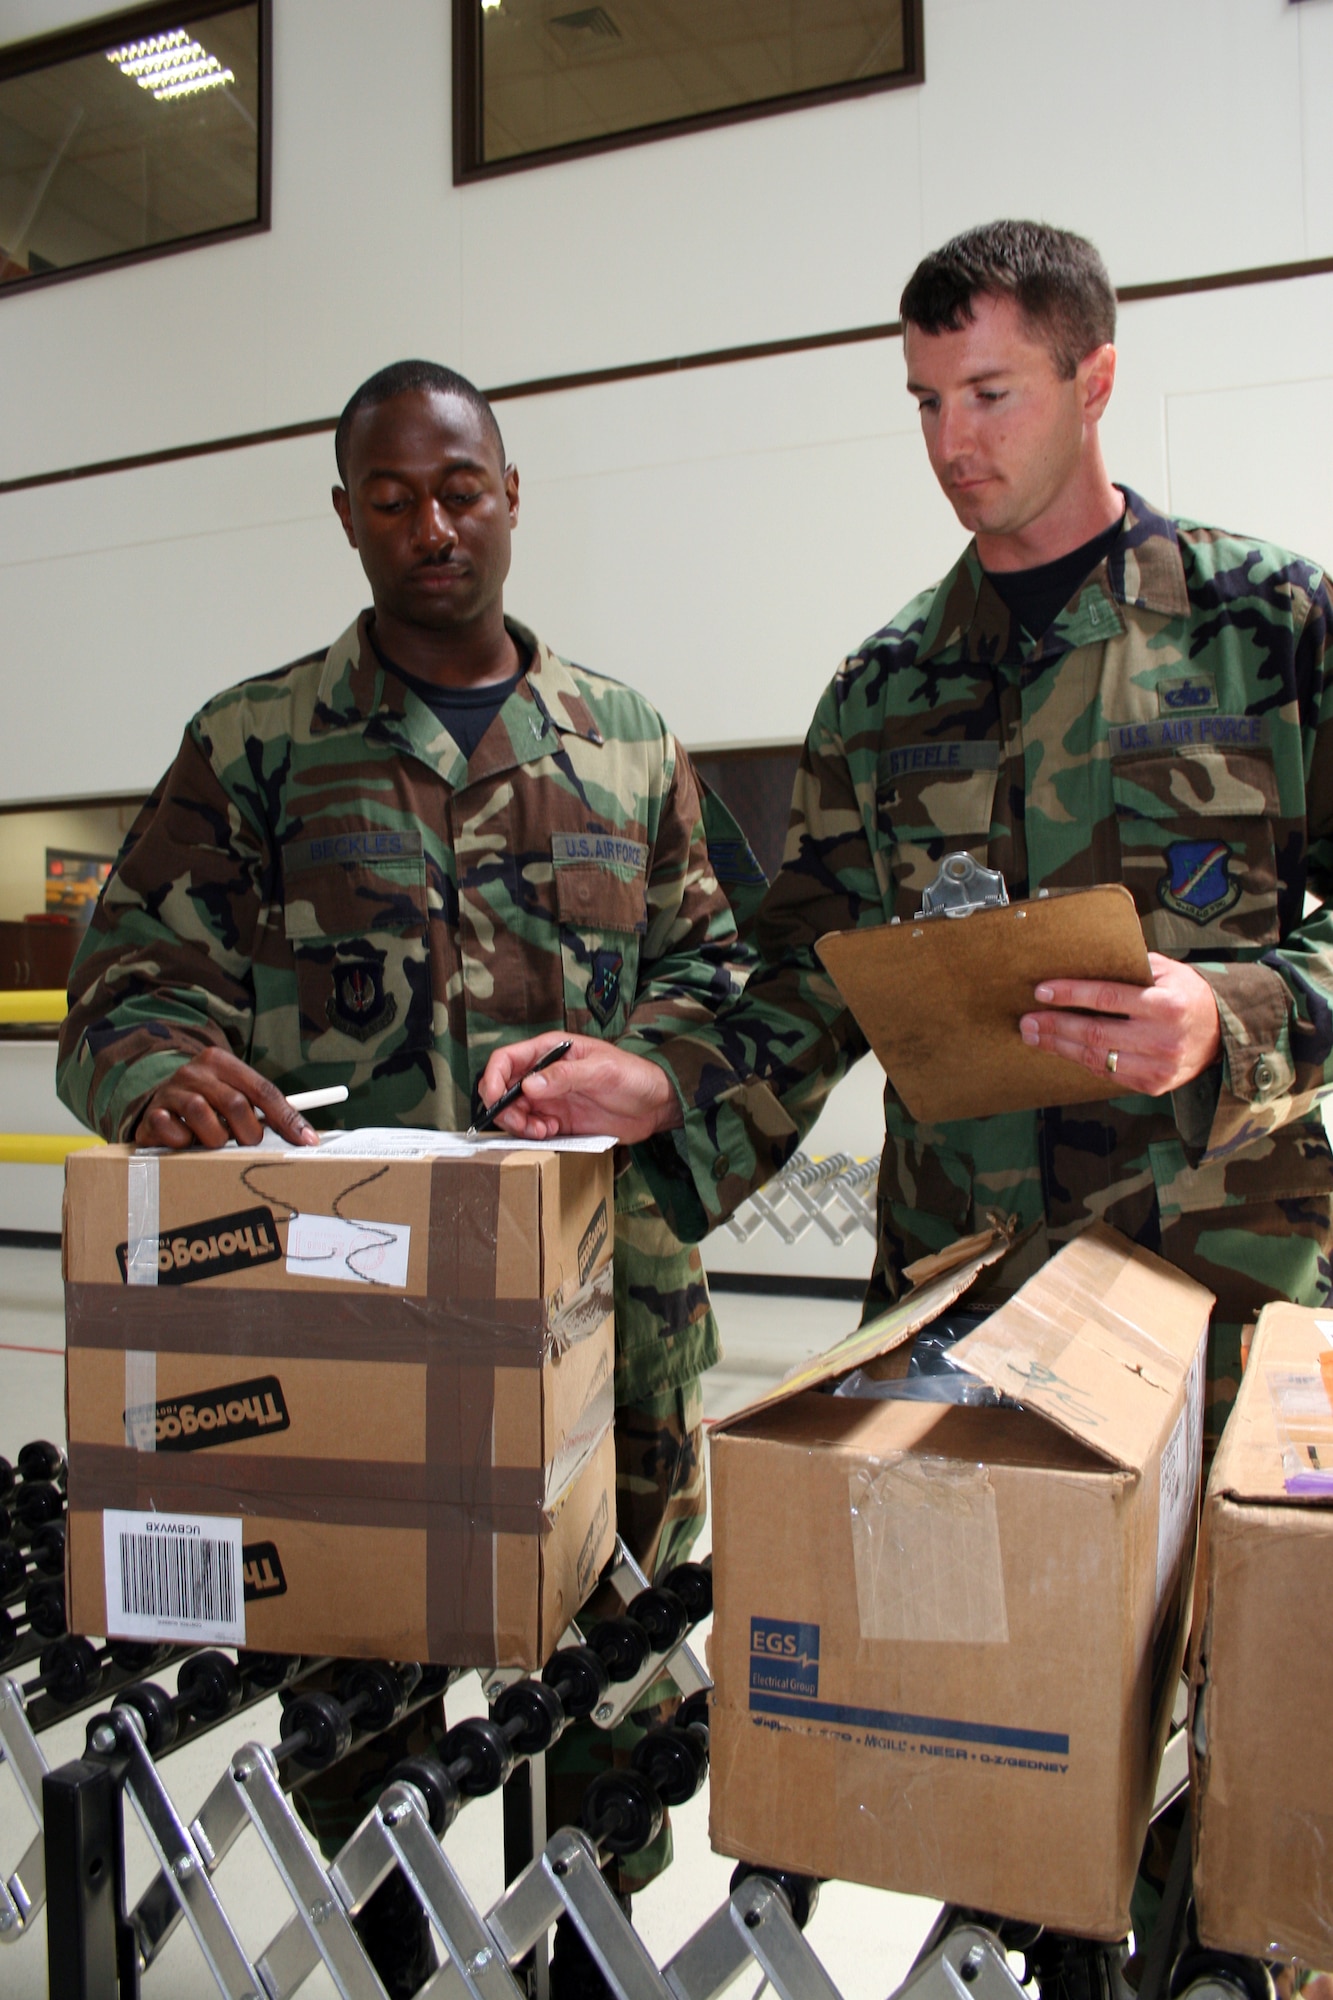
1192	695
604	984
1196	884
358	1004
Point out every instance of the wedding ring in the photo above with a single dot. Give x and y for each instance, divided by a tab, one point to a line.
1112	1060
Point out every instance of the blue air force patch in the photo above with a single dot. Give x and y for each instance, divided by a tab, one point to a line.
604	984
358	1004
1196	883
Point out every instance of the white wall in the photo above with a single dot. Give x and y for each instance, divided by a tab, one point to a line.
720	536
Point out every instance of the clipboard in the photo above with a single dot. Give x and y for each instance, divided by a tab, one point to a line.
939	998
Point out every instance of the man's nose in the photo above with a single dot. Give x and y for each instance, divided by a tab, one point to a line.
434	529
953	431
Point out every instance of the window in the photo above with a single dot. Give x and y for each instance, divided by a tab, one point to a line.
538	80
139	134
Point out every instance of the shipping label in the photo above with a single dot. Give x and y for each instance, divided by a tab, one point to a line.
172	1577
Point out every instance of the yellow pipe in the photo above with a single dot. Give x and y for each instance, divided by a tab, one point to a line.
24	1005
43	1149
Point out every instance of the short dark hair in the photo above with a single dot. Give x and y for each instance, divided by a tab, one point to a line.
402	378
1057	280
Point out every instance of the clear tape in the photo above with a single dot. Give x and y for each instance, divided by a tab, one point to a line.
141	1399
142	1223
926	1547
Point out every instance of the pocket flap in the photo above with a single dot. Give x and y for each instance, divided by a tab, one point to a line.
1196	784
590	897
352	899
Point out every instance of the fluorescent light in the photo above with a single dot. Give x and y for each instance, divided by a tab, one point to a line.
490	6
172	65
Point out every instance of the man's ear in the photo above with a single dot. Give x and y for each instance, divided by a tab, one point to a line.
1097	376
511	493
342	507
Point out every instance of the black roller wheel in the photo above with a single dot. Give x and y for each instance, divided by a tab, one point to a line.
436	1680
674	1761
37	1502
1246	1978
136	1656
72	1669
157	1712
13	1570
9	1638
799	1892
663	1617
268	1671
692	1712
210	1686
621	1812
8	1477
45	1606
692	1583
579	1677
537	1707
381	1693
41	1460
622	1645
320	1720
437	1788
48	1548
478	1755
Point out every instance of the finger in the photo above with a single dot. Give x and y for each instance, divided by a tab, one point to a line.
160	1127
192	1110
279	1115
1078	1039
1091	996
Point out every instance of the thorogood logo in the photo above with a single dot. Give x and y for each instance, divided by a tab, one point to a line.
591	1241
210	1249
784	1656
222	1416
261	1571
592	1541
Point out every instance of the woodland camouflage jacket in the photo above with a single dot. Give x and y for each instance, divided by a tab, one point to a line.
323	884
1173	730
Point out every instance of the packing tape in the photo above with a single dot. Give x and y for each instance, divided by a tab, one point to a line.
142	1228
141	1399
926	1548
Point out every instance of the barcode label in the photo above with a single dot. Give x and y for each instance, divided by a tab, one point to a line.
176	1577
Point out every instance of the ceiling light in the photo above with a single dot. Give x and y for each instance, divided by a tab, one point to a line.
172	65
490	6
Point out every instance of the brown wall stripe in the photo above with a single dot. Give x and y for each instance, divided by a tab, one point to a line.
588	378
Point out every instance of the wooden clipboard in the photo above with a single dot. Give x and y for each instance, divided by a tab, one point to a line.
939	999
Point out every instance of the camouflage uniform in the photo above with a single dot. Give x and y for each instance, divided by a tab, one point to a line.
325	886
1172	731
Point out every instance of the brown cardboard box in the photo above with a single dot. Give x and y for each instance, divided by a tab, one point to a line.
946	1639
387	1380
1261	1675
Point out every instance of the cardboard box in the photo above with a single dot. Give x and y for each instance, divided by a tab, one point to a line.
1261	1672
383	1388
946	1639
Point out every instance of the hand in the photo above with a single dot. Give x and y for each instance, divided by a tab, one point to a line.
213	1098
1164	1035
596	1088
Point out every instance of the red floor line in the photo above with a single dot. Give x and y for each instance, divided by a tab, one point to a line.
17	1347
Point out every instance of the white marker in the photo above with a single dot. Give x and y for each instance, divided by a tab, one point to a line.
311	1100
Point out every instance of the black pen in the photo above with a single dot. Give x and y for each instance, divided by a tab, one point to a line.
515	1090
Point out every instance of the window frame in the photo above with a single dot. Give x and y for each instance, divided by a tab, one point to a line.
132	25
469	110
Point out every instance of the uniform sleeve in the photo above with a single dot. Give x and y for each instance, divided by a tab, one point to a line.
752	1082
165	969
1277	1012
691	961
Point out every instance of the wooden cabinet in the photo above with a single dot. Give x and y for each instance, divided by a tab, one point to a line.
37	955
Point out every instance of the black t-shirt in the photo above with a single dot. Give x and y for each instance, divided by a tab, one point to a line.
467	713
1036	597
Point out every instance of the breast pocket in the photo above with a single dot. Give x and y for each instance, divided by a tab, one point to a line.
926	814
1197	849
602	913
358	932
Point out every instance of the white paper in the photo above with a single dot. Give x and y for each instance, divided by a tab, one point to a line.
405	1142
365	1253
173	1577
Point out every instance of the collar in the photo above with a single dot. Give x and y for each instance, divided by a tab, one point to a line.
357	693
1143	572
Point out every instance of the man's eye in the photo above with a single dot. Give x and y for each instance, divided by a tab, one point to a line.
927	404
990	395
461	499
